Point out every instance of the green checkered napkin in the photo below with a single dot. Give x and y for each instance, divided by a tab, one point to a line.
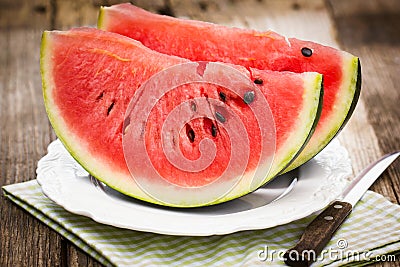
372	232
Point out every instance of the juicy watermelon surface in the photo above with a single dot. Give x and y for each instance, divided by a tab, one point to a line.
103	91
285	111
197	40
90	76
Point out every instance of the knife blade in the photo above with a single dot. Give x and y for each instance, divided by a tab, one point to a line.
318	233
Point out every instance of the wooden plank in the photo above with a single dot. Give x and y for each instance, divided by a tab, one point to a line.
375	8
76	257
24	136
25	14
371	30
78	13
301	19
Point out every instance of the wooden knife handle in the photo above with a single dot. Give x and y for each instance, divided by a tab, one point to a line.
317	234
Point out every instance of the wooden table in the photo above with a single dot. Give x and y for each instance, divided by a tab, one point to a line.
369	29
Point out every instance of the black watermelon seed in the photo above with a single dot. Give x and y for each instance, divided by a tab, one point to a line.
248	97
100	96
307	52
213	130
193	106
191	135
258	81
222	95
110	108
220	117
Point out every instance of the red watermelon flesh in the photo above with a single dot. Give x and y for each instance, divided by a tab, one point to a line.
197	40
90	76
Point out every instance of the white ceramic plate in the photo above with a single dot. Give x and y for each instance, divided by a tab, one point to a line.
320	181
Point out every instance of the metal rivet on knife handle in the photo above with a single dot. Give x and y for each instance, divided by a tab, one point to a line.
317	234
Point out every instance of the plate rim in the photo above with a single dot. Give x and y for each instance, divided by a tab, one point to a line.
57	170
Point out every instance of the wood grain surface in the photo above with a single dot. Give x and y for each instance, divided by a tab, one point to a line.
369	29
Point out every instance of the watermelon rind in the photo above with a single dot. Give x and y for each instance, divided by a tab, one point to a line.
116	180
308	121
350	89
356	94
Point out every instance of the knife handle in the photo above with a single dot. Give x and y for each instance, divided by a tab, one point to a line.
317	234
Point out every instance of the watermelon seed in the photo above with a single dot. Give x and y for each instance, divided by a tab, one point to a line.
110	108
222	95
190	133
258	81
100	96
248	97
307	52
220	117
213	130
193	106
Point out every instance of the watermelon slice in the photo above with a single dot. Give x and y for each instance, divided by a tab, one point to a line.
197	40
90	76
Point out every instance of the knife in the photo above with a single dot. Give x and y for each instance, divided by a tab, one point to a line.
318	233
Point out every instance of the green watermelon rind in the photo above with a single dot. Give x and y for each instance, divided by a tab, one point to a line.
310	117
353	89
121	182
315	110
356	94
313	127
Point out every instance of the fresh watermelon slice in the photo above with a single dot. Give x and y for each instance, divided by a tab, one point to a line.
89	77
197	40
